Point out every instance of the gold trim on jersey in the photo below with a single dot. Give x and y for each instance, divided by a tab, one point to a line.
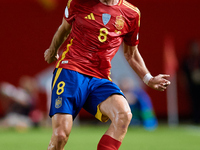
64	53
68	4
109	78
120	2
125	3
56	77
131	7
90	16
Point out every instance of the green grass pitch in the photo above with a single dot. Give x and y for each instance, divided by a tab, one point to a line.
87	137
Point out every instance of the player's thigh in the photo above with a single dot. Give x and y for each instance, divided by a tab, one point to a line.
62	124
69	92
101	90
115	105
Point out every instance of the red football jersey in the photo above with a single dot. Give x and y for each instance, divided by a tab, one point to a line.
97	32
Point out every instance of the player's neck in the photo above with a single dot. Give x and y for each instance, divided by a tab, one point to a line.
109	2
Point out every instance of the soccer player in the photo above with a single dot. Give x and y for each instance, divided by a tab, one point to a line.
93	31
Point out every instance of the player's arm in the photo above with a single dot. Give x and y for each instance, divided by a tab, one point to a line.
51	54
136	61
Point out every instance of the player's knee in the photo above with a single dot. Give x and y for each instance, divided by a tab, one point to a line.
123	119
61	136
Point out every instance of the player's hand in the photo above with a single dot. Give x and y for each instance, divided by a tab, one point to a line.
159	82
50	57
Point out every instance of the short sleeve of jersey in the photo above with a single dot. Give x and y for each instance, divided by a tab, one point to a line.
132	38
70	12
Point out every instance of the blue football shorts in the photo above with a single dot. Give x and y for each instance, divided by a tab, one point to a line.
72	91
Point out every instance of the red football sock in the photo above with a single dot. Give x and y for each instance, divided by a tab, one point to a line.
108	143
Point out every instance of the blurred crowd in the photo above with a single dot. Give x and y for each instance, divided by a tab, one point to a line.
191	73
23	105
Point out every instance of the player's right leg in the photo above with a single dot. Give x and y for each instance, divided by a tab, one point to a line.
62	125
69	93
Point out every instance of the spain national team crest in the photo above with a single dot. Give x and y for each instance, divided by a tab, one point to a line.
58	102
119	23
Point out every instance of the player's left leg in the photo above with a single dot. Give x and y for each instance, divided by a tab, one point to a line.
106	101
117	109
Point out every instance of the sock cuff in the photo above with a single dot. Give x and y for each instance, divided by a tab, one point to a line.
110	142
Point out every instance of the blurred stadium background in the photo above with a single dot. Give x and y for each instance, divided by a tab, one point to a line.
167	29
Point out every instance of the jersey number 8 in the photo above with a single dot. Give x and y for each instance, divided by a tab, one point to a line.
103	35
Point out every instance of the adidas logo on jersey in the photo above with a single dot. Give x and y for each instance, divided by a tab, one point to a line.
90	16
